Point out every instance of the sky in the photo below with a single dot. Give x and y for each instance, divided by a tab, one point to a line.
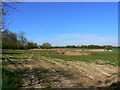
67	23
62	0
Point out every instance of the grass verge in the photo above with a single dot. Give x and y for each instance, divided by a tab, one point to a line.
10	79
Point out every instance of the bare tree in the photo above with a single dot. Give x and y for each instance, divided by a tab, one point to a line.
6	8
22	39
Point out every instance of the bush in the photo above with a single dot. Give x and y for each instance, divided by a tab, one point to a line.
46	46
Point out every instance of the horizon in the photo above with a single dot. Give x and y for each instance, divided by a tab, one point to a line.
80	45
67	23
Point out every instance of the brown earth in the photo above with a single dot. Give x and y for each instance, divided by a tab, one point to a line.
69	52
55	73
99	50
42	49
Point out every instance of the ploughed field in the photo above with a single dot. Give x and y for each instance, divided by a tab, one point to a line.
59	69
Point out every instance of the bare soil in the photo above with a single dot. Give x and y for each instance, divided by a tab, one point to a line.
55	73
68	52
99	50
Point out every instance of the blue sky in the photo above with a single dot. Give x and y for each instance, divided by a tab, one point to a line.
67	23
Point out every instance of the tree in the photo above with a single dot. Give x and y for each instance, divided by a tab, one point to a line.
108	47
31	45
46	46
5	10
11	40
22	39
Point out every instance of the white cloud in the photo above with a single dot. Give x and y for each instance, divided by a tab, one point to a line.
78	39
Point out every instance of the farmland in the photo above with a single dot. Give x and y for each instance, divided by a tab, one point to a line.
106	57
59	45
46	69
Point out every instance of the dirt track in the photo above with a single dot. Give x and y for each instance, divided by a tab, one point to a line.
55	73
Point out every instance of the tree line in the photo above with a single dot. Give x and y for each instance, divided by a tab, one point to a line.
11	40
87	46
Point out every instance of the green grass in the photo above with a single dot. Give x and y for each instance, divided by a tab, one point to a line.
0	76
10	79
49	62
110	58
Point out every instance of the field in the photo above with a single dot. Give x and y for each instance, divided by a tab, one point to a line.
45	69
